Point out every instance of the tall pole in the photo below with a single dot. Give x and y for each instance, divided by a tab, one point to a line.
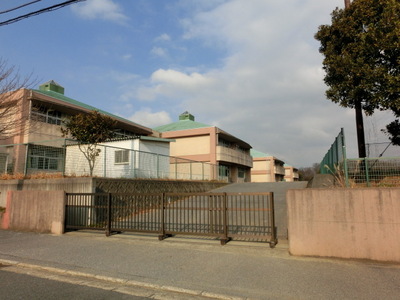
359	117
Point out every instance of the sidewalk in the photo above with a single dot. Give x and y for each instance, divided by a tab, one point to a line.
239	270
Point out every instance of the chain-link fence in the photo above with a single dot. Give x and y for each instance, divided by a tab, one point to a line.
68	158
377	172
370	171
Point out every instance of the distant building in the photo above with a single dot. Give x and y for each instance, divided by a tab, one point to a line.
266	168
204	143
291	173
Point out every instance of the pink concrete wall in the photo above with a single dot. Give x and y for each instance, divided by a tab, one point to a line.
345	223
39	211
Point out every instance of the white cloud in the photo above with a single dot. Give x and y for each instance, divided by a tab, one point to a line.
179	79
270	91
126	57
100	9
163	38
158	51
151	119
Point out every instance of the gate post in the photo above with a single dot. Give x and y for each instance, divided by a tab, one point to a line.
273	241
162	221
225	238
108	227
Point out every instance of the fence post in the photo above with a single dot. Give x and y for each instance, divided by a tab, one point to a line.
273	241
64	157
345	167
176	168
26	159
225	238
108	228
366	171
162	220
105	161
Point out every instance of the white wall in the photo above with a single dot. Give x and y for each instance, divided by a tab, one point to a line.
147	159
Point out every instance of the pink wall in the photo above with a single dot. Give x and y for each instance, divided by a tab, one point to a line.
39	211
345	223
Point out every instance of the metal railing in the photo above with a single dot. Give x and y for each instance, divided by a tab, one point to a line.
64	157
220	215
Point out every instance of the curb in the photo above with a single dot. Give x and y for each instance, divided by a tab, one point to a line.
127	282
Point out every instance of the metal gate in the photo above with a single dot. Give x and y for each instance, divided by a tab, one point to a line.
221	215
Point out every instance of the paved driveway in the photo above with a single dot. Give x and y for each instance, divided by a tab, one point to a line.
278	188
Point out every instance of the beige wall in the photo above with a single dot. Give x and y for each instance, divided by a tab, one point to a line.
195	145
264	169
345	223
39	211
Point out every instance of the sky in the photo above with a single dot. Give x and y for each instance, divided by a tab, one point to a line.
249	67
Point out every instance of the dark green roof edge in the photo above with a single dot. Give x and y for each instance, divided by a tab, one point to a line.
150	138
181	125
85	106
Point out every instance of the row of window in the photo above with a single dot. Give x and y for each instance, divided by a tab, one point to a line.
45	158
226	144
225	171
52	158
46	115
51	116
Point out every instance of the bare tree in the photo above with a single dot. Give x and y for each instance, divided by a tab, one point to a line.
13	114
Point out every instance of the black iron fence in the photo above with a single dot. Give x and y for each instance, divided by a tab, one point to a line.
221	215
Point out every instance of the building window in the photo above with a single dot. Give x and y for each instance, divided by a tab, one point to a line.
121	156
46	115
224	171
121	134
45	158
241	172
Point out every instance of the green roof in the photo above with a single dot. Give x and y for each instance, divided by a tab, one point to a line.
256	153
84	106
181	125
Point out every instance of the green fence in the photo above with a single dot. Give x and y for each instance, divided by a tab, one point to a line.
374	172
377	172
335	157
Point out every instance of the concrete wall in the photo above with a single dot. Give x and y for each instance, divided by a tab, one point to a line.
70	185
105	185
345	223
39	211
38	204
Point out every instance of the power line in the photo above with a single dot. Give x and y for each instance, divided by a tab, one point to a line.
38	12
18	7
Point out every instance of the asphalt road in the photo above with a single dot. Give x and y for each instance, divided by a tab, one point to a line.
21	286
239	269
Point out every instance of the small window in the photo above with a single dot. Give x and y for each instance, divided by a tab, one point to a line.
122	156
241	172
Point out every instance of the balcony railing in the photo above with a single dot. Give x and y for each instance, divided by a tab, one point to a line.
279	170
234	156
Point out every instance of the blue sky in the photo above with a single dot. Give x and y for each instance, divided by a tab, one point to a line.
250	67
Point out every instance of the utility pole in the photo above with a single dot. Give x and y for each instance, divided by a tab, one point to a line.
359	117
